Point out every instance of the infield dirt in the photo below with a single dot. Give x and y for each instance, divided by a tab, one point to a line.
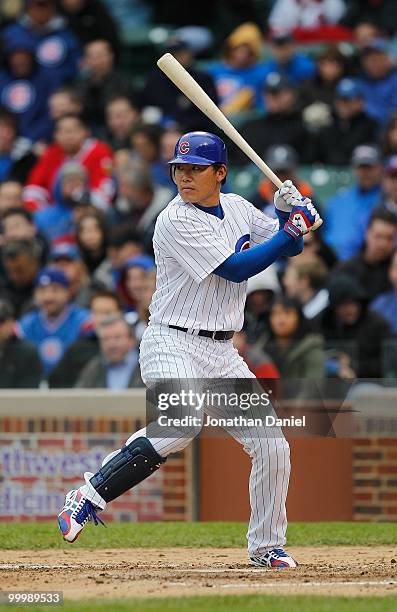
170	572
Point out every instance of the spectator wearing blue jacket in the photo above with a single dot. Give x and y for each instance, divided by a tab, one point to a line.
348	211
386	303
25	87
56	323
58	221
378	81
297	67
56	47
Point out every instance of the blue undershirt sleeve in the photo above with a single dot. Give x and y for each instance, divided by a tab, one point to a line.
241	266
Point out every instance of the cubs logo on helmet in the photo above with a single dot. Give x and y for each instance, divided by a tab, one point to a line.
184	147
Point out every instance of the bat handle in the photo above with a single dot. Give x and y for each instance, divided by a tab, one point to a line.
316	225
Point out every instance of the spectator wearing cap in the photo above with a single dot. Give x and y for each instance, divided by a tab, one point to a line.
261	290
89	20
347	212
123	243
305	280
20	366
139	201
371	266
378	81
56	323
56	48
133	278
389	186
353	334
58	221
66	257
99	79
386	303
349	126
295	66
283	160
161	93
21	260
117	366
239	76
25	86
73	141
16	158
282	122
103	304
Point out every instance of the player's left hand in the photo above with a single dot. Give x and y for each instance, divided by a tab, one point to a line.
285	197
303	218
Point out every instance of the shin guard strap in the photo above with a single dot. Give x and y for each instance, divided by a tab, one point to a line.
135	462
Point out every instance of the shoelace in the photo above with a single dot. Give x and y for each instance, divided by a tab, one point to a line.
87	513
278	552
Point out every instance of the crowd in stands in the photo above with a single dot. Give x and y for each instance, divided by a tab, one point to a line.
84	147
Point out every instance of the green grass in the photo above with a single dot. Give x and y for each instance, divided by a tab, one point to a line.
15	536
236	603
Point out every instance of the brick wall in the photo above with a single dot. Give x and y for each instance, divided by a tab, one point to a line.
375	479
41	459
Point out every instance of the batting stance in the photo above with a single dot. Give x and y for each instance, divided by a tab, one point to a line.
203	263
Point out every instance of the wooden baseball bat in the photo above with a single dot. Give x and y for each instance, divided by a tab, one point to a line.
192	90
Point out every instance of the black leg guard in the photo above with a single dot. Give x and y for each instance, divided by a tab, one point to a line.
129	467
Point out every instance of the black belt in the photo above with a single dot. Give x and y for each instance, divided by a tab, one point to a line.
215	335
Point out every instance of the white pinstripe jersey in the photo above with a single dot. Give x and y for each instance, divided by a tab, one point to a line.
189	244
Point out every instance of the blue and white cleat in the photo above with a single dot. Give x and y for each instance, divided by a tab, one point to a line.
75	514
275	558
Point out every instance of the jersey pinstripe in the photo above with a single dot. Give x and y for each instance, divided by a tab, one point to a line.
188	245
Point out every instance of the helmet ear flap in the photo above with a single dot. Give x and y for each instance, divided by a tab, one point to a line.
172	173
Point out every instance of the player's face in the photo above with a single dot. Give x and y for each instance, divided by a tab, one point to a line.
199	184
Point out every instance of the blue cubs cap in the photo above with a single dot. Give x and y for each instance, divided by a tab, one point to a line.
52	276
146	262
200	148
65	251
348	88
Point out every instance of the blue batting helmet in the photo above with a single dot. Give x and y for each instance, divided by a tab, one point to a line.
200	148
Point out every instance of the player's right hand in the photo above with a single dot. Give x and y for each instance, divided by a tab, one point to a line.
304	217
285	197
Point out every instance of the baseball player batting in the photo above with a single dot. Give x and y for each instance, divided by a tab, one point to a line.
203	263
